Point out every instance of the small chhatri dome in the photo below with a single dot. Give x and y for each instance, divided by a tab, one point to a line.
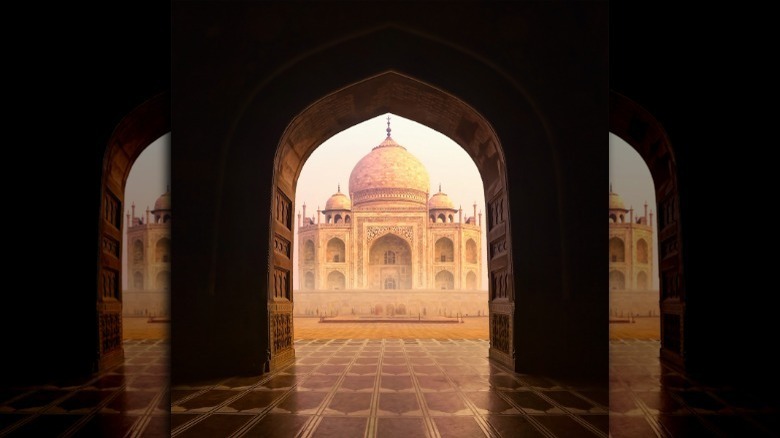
615	201
163	202
440	201
389	173
338	201
162	208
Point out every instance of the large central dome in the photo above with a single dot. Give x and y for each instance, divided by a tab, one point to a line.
389	173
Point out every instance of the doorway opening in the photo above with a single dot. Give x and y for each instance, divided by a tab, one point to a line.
147	241
401	95
140	128
634	311
639	129
393	244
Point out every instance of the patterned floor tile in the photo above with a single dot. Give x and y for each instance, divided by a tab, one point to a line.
400	427
341	427
391	387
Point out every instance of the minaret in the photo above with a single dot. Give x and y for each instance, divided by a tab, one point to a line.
651	218
475	210
318	214
480	218
299	220
645	212
631	214
304	209
147	214
460	214
129	224
133	214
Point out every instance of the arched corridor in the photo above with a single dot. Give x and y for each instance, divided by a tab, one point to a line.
540	73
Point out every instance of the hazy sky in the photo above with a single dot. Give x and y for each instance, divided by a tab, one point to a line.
446	161
631	179
148	179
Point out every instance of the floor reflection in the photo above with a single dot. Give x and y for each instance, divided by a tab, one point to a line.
390	387
129	400
649	399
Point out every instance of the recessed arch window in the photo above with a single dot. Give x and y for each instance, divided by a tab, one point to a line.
641	251
617	250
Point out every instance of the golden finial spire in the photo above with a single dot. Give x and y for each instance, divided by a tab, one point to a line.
388	125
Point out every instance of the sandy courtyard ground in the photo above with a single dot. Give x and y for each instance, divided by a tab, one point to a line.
471	328
139	328
647	328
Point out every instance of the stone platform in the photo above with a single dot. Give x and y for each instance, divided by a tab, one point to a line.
427	303
390	319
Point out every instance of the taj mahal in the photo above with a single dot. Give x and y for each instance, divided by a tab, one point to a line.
632	290
149	264
387	246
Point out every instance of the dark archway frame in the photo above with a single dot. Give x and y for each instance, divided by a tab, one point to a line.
637	127
145	124
400	94
253	182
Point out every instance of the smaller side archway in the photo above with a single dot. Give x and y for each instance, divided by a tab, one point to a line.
471	280
617	280
138	281
308	280
163	250
336	281
445	280
138	251
444	250
308	251
336	251
617	250
471	251
641	281
163	281
642	251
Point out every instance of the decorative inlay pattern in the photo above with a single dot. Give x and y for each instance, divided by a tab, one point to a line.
372	232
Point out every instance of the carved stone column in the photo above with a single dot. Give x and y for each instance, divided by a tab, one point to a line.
280	297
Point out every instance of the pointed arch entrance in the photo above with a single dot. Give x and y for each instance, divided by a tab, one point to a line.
402	95
546	291
638	128
390	263
135	132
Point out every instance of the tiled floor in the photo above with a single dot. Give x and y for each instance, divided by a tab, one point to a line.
648	399
389	388
128	400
